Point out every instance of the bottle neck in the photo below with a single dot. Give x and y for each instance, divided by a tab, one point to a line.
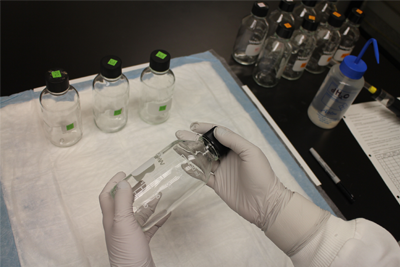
111	79
158	72
281	39
305	31
210	151
59	93
352	24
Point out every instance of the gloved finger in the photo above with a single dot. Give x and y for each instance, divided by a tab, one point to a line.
201	127
147	209
211	181
150	233
235	142
186	135
123	200
107	201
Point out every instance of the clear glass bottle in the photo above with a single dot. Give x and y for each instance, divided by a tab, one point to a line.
282	14
251	35
61	109
324	9
173	175
273	58
110	96
303	43
305	8
328	39
339	89
349	35
157	88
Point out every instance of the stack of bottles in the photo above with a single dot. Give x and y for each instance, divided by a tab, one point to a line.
61	109
311	36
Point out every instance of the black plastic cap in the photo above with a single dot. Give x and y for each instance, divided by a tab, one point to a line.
309	3
221	149
286	5
356	15
285	30
260	9
111	67
309	23
159	60
57	80
336	19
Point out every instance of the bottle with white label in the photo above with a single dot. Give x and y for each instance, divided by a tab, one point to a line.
349	35
339	89
157	88
172	176
324	9
273	58
110	96
303	43
328	39
251	35
282	14
61	109
305	8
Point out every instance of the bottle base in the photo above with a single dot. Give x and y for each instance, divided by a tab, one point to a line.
320	120
266	81
243	59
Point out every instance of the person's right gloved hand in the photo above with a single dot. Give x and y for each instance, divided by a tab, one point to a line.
245	180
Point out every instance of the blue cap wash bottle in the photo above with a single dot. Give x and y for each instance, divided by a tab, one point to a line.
339	89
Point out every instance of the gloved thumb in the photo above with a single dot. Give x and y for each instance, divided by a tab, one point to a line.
235	142
123	199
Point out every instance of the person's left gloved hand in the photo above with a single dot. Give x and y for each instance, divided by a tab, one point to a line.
127	244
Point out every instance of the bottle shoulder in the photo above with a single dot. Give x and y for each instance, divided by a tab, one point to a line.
157	80
337	75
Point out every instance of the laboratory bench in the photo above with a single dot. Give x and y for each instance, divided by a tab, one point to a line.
75	35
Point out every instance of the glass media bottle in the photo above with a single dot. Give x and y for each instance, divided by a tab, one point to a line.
303	43
61	109
173	175
349	35
273	58
251	35
328	39
157	88
282	14
324	9
110	96
305	8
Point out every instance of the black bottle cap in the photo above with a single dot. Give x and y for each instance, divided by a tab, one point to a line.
356	15
111	66
309	23
287	5
220	149
336	19
309	3
285	30
57	80
260	9
159	60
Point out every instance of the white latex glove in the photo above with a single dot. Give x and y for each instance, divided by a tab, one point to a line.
245	180
127	244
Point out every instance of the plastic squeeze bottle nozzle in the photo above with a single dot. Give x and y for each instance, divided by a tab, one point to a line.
339	89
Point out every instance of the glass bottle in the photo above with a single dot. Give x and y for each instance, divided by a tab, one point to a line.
324	9
349	35
273	58
305	8
110	96
328	39
157	88
173	175
61	109
282	14
339	89
303	43
251	35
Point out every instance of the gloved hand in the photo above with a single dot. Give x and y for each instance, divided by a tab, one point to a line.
245	180
127	244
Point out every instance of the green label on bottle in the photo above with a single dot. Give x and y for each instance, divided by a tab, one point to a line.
70	126
161	55
56	74
112	62
162	108
118	112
